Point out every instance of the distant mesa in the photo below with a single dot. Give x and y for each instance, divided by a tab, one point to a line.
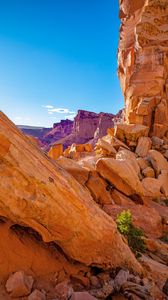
87	127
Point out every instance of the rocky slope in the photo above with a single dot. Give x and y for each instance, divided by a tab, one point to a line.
143	62
45	198
66	211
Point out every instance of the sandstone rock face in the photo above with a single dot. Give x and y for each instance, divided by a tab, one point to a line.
105	122
143	63
37	193
55	151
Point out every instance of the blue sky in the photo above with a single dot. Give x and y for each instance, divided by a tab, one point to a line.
58	57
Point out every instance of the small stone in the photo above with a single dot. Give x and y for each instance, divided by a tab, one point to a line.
19	284
104	277
120	279
143	163
37	295
63	290
149	172
80	279
157	143
95	282
105	291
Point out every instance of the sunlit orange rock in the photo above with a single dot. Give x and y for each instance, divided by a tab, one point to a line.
121	174
143	63
55	151
37	193
130	132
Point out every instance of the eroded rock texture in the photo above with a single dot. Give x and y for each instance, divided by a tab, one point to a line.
41	195
143	62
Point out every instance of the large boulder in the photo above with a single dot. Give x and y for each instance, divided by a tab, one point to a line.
144	145
116	143
158	161
130	132
102	144
37	193
126	154
99	189
152	188
121	174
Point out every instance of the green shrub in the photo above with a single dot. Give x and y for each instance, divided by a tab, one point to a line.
134	235
124	221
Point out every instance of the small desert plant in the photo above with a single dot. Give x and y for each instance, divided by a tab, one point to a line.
133	234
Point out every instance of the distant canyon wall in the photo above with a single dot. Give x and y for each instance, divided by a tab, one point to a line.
143	62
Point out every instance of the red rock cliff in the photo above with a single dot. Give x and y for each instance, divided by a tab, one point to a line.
143	62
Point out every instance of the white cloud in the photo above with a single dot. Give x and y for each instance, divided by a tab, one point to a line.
61	110
54	111
58	110
47	106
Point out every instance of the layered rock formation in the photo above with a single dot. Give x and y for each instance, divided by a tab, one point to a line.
88	127
143	63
